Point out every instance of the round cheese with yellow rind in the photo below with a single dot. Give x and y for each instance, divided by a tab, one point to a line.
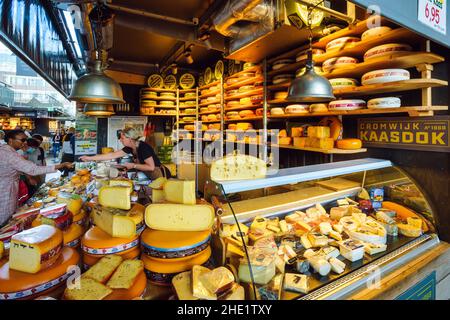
340	83
97	242
89	260
72	235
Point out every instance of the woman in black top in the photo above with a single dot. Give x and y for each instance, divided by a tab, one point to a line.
145	158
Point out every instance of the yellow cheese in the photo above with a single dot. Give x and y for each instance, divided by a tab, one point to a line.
300	142
2	248
296	131
121	182
119	223
158	196
99	243
318	132
115	197
35	249
409	230
320	143
180	191
238	167
73	201
72	235
158	183
182	284
234	250
415	222
198	288
179	217
259	223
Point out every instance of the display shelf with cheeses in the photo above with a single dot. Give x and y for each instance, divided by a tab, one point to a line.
253	69
244	82
212	84
246	94
325	151
243	119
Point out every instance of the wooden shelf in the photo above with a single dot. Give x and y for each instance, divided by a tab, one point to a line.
163	107
279	86
213	121
158	90
209	102
188	99
251	69
187	115
251	106
244	119
159	99
279	101
330	151
209	112
244	83
187	90
245	94
212	84
212	94
158	115
187	107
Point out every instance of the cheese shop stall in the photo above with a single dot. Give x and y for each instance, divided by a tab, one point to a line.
307	142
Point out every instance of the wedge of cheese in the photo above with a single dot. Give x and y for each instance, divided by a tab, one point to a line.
119	223
35	249
73	201
409	230
121	183
179	217
218	280
180	191
117	197
158	183
198	288
238	167
296	282
182	284
158	196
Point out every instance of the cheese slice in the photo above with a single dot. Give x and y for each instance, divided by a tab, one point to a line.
126	274
119	223
158	196
234	250
179	217
296	282
237	292
238	167
35	249
199	290
218	280
117	197
180	191
102	270
182	284
74	202
87	290
121	182
135	292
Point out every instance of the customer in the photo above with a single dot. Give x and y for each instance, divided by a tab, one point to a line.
68	148
11	166
145	158
30	151
2	137
41	158
56	146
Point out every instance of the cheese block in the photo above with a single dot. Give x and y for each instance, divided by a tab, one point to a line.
158	183
57	216
134	292
373	248
278	64
237	293
349	144
87	290
403	213
238	167
284	141
318	132
352	250
300	142
72	236
296	283
317	240
415	222
246	89
335	125
341	83
282	78
335	235
179	217
384	103
320	265
104	268
263	271
182	284
302	265
338	62
22	285
180	191
158	196
280	95
409	230
347	105
385	76
120	223
198	288
337	266
35	249
341	43
296	131
375	32
190	95
121	182
73	202
325	228
117	197
163	244
387	50
336	213
320	143
218	280
89	260
99	243
126	274
162	272
297	109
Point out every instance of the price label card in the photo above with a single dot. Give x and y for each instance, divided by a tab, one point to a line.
433	13
90	188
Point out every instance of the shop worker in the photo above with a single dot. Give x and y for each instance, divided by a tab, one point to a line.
41	157
12	164
68	148
145	158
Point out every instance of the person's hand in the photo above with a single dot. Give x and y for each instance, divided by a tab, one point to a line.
67	165
85	158
129	165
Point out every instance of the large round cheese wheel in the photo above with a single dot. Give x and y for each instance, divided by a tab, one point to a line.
149	92
245	101
162	272
340	43
148	103
246	75
246	89
375	32
190	103
190	111
282	78
233	103
347	104
318	107
384	103
349	144
167	94
189	119
232	81
280	95
72	235
89	259
338	62
256	99
246	113
386	49
167	103
190	95
232	114
384	76
244	126
297	109
276	111
204	109
163	245
97	242
135	291
339	83
22	285
304	54
281	63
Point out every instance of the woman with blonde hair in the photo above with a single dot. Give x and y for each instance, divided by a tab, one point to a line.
145	158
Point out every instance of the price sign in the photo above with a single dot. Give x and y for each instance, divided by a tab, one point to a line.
433	14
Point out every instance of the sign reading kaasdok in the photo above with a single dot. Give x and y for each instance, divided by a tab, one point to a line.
428	134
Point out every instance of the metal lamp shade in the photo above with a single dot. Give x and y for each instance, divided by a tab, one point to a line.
94	109
96	87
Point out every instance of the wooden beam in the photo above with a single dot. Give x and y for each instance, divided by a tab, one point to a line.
127	78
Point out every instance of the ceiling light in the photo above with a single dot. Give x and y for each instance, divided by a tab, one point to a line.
188	56
95	109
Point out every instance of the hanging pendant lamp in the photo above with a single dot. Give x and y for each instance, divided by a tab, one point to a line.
98	110
96	87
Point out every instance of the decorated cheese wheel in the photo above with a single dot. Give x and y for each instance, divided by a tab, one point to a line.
302	56
375	32
155	81
338	62
259	112
281	63
347	105
97	242
387	49
135	291
246	113
163	245
256	99
318	107
384	76
340	83
21	285
340	43
384	103
276	111
89	260
282	78
349	144
161	272
72	235
280	95
301	71
297	109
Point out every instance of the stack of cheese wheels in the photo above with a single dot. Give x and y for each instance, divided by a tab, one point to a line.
385	76
339	62
26	286
96	243
384	103
341	43
347	105
387	49
282	78
375	32
341	83
281	63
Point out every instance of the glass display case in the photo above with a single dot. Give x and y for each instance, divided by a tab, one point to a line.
368	210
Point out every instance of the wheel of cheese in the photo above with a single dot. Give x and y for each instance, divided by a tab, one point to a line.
318	107
276	111
72	236
190	103
338	62
302	56
167	94
21	285
211	117
162	272
149	92
209	99
232	81
89	259
190	95
244	126
245	101
375	32
281	63
384	103
387	49
97	242
259	112
204	118
246	113
189	119
214	126
167	103
347	104
340	83
336	128
246	75
233	103
246	89
297	109
384	76
232	114
349	144
163	246
146	103
282	78
135	291
204	109
280	95
190	111
340	43
256	99
301	71
232	126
